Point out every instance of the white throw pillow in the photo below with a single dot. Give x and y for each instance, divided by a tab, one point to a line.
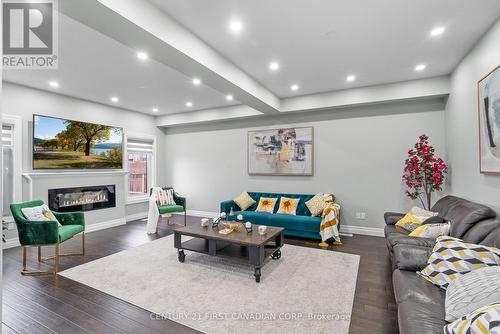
471	291
244	201
431	230
40	213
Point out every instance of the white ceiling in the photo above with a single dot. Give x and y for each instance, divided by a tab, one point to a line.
319	42
95	67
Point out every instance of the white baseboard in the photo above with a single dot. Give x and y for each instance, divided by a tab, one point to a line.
373	231
344	229
104	225
14	242
136	216
11	243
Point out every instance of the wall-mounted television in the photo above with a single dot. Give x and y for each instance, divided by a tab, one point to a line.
66	144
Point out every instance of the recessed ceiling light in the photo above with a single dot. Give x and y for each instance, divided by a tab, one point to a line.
420	67
351	78
274	66
229	97
142	55
235	26
114	99
196	81
54	84
294	87
189	104
437	31
155	109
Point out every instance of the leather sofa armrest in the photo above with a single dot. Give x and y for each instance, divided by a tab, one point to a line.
411	241
411	258
392	218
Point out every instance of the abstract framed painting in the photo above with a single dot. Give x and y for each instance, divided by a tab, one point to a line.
489	121
285	151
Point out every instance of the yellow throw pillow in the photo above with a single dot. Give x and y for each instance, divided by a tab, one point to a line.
266	204
288	206
316	205
244	201
452	257
414	218
431	231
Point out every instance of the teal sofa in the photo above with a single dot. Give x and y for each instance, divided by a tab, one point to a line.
300	225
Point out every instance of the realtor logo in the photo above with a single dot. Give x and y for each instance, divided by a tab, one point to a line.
29	34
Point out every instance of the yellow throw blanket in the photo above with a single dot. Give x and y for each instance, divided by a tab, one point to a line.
329	224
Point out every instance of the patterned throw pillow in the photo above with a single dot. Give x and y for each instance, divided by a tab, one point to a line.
471	291
266	204
166	197
244	201
317	204
40	213
451	257
414	218
431	230
288	206
485	320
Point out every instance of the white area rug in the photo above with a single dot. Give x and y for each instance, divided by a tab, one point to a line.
306	291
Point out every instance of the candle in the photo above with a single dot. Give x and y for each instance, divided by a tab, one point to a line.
248	225
240	217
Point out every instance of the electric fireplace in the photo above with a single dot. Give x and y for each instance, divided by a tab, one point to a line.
82	198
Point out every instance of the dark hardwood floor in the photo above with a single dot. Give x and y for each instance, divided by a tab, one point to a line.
48	304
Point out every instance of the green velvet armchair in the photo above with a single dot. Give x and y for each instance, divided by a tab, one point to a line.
180	205
47	233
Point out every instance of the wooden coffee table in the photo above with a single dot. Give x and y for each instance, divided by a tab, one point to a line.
240	244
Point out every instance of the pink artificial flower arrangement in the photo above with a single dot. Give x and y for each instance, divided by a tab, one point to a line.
424	173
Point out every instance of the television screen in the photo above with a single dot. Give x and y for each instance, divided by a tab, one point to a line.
66	144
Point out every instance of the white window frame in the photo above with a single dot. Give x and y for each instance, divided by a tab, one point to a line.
152	177
17	145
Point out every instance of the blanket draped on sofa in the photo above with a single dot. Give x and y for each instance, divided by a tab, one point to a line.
329	224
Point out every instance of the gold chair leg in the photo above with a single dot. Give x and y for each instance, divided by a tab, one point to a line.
24	259
83	243
57	259
26	272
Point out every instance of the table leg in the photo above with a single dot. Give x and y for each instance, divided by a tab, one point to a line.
257	274
181	255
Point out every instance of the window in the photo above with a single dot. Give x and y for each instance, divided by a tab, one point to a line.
11	151
140	168
8	167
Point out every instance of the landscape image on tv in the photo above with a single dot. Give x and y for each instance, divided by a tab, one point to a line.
65	144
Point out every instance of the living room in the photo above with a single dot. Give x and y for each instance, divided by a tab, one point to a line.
250	166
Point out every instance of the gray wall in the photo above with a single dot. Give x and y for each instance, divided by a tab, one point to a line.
24	102
359	154
461	115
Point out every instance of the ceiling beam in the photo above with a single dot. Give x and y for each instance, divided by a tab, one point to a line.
399	91
338	100
142	26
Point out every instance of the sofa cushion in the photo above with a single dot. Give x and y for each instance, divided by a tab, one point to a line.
492	239
420	318
68	231
170	208
408	286
462	213
255	217
301	223
479	231
302	209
